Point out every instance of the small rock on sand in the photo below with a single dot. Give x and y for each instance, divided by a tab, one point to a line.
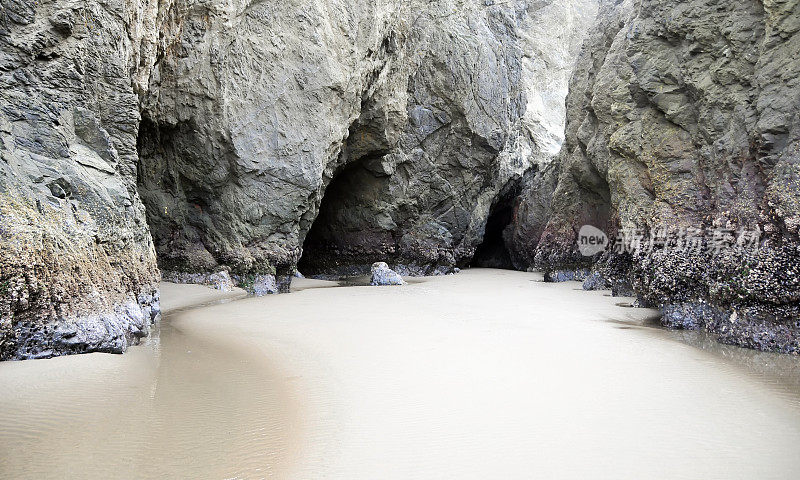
383	275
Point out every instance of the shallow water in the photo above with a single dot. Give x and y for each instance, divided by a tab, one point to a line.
486	374
176	407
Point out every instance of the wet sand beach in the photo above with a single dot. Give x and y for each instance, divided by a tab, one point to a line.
485	374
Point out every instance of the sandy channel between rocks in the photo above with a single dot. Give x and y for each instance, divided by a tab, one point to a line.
485	374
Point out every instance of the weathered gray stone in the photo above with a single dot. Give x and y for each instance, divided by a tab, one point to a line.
558	276
382	275
595	281
352	130
264	285
77	265
220	280
409	118
429	110
683	114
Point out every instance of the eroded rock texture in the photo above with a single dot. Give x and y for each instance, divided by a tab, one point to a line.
400	123
684	114
77	265
406	124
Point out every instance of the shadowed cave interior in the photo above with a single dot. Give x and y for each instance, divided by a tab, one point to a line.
349	231
492	252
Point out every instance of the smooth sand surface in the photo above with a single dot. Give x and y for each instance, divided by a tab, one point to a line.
485	374
175	297
300	284
175	407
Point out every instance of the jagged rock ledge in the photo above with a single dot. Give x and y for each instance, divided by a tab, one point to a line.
682	115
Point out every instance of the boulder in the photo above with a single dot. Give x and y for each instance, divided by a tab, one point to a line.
383	275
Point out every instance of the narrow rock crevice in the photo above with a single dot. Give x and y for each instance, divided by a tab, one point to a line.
493	251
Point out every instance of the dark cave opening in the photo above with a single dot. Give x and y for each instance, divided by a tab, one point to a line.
492	252
320	247
350	231
344	236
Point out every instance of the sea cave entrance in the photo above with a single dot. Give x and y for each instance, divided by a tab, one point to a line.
320	246
492	252
351	230
347	231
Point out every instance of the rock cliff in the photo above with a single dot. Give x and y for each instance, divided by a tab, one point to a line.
239	135
400	123
238	139
77	265
682	141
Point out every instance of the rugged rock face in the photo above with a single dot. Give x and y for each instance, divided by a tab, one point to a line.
683	117
335	133
77	265
406	124
400	123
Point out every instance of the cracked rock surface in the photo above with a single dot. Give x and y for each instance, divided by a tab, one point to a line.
77	265
212	134
683	115
382	275
398	124
247	137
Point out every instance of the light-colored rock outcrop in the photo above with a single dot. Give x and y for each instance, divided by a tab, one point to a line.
411	119
382	275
